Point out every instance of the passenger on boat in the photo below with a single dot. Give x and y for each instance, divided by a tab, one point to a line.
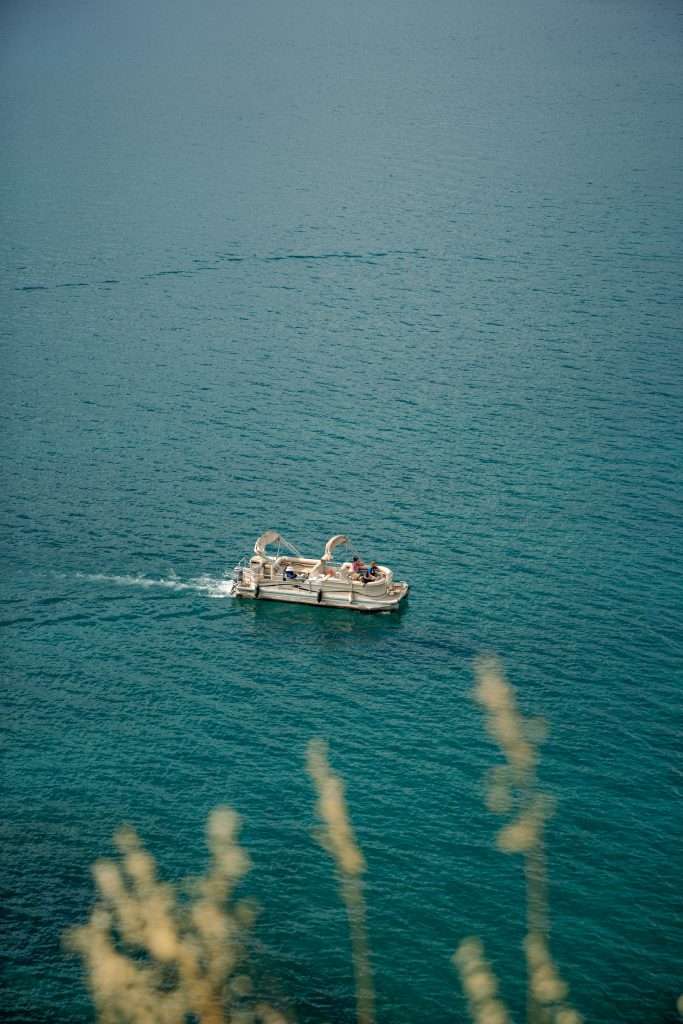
372	573
357	567
289	573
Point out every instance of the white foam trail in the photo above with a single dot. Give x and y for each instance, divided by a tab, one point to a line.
214	588
202	584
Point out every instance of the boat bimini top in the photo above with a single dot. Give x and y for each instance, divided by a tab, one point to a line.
273	537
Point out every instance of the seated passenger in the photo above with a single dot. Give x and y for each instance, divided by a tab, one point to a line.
289	573
357	567
372	573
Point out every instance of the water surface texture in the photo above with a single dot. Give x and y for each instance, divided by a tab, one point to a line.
405	271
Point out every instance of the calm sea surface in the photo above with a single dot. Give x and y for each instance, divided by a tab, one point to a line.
405	271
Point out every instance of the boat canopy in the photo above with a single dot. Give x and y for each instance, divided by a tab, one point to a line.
334	542
269	537
272	537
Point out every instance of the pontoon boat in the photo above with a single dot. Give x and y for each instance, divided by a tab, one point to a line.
277	576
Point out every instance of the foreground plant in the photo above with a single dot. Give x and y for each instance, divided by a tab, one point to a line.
338	839
152	957
513	790
155	954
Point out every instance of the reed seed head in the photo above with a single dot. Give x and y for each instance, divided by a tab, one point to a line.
519	837
568	1016
479	984
190	948
268	1015
337	835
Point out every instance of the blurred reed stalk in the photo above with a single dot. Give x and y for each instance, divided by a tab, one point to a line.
513	789
337	838
154	958
479	984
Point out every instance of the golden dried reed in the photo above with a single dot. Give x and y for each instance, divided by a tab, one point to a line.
337	838
513	789
479	984
154	958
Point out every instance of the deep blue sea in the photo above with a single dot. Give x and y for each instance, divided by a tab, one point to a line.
409	272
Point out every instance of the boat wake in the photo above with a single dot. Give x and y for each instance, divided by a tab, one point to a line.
201	585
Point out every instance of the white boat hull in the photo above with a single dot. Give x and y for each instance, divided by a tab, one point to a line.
357	599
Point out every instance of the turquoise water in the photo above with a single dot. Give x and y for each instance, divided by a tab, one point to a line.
409	272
